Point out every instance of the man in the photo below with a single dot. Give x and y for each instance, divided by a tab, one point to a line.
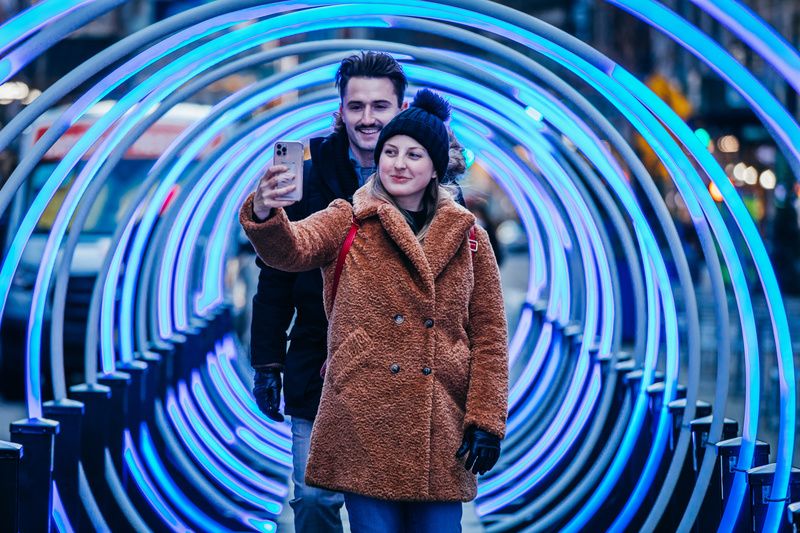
371	87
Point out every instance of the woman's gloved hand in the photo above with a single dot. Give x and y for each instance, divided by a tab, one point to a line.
267	392
483	448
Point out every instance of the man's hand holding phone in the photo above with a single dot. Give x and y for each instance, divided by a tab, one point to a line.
272	189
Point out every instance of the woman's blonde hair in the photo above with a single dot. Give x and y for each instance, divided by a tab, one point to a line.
434	194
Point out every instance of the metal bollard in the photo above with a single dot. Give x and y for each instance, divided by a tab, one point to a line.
632	382
760	481
622	368
206	336
10	457
700	428
707	517
185	351
173	363
119	383
151	386
226	316
166	353
37	437
655	400
655	407
676	410
683	488
137	398
94	431
793	512
728	453
69	415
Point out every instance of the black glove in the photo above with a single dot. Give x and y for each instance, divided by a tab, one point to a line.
483	448
267	392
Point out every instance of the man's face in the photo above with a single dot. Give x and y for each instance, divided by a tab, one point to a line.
368	104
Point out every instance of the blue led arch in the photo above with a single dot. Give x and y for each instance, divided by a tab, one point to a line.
570	269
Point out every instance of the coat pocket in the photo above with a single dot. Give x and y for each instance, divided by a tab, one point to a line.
349	357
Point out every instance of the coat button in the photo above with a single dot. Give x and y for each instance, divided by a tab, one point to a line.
429	323
398	319
426	371
395	368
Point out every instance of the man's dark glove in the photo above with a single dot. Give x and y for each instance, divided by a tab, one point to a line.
267	392
483	448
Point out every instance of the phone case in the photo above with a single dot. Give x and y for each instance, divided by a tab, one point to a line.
290	153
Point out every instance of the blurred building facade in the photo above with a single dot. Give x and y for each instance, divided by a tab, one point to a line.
720	115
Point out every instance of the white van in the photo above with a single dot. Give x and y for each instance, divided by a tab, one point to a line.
105	214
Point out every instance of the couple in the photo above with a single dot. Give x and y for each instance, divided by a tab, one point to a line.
414	399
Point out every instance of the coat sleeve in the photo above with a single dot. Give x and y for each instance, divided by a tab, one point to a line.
297	246
487	395
273	309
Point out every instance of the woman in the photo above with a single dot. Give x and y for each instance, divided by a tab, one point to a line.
415	395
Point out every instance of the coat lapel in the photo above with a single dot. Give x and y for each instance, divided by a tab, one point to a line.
447	233
398	229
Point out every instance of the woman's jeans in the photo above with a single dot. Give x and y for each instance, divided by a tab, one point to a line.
368	515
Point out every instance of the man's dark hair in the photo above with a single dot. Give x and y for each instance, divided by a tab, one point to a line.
372	65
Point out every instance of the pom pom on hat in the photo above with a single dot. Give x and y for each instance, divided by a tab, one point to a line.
432	103
424	121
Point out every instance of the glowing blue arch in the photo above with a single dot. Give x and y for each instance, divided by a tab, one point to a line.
569	253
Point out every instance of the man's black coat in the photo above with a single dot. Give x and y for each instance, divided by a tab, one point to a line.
328	175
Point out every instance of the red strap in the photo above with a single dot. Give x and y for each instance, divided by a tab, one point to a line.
473	239
348	242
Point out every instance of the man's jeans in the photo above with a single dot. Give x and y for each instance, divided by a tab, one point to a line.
314	509
370	515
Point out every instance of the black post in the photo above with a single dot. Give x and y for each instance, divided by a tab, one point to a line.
700	428
622	368
173	359
793	512
760	481
166	353
728	452
10	457
655	404
137	370
225	316
655	400
151	388
683	488
95	436
94	431
708	517
676	410
37	437
119	383
69	415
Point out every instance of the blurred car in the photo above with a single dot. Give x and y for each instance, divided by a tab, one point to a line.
105	214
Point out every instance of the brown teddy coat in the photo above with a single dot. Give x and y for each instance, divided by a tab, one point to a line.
417	345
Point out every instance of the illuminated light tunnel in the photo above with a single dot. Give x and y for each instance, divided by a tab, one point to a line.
602	434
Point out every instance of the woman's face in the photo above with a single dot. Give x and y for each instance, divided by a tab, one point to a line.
405	169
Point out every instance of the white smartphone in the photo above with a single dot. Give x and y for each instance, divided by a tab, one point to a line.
290	154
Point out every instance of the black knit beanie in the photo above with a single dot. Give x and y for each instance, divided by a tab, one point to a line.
424	121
